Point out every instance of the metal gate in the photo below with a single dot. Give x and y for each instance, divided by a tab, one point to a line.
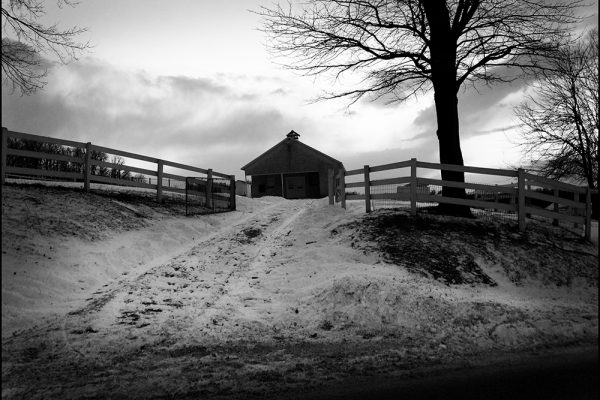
209	195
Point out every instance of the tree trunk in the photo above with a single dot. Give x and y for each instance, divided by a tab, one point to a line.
450	151
445	87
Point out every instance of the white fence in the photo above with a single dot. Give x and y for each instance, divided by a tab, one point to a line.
176	183
519	199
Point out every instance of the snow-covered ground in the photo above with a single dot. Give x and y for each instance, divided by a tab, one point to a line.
59	247
109	294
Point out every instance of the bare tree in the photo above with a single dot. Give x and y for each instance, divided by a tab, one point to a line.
403	48
560	117
25	41
117	172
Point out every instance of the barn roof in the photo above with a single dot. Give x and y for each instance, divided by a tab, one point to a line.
292	140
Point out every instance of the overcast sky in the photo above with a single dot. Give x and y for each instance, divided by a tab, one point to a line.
192	81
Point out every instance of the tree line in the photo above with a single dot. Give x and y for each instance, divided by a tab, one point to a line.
50	164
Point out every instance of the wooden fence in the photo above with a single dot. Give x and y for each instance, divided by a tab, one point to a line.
87	162
519	199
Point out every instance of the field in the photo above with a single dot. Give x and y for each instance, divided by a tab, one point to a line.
112	293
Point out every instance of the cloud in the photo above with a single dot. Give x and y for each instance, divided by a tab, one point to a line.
500	129
279	92
222	121
478	108
200	86
426	118
169	117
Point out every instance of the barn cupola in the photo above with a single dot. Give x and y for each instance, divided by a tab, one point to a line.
293	135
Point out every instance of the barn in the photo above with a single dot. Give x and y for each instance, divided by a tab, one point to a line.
291	169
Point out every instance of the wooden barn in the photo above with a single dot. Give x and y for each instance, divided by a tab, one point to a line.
291	169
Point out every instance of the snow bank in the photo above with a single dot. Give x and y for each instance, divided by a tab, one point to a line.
60	246
307	270
132	298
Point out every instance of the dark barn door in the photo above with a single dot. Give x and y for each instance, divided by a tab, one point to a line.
295	187
266	185
302	185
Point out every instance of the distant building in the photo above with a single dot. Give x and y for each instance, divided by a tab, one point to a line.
291	169
421	189
241	188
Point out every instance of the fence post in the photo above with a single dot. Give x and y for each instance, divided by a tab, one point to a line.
4	150
330	186
232	192
555	220
367	189
343	187
159	176
87	166
496	197
588	214
413	186
528	202
186	195
336	187
521	194
576	210
209	199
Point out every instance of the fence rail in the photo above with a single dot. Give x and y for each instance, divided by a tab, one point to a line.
518	198
86	163
208	195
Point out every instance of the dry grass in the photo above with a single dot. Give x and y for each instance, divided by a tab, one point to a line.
451	250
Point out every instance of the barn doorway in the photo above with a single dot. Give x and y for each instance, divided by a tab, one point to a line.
303	185
295	187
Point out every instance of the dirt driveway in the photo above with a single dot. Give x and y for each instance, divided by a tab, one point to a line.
274	304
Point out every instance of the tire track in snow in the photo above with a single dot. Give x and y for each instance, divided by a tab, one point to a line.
96	303
255	263
205	253
200	280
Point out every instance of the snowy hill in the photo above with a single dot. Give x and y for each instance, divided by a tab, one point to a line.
276	295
